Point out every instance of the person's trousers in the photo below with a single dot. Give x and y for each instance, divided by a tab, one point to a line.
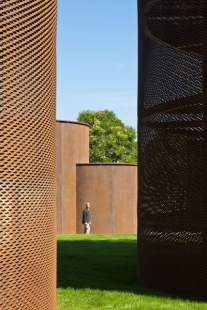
87	228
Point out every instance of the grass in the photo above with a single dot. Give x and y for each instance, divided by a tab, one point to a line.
99	272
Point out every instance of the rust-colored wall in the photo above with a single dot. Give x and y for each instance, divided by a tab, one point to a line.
72	147
28	174
111	190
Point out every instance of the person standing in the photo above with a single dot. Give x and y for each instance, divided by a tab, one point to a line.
86	219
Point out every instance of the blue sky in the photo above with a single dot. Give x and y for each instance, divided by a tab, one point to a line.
97	58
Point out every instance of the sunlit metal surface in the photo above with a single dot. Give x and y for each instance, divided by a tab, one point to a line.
111	190
72	147
28	172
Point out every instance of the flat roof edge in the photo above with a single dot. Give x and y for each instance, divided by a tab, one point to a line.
72	122
106	164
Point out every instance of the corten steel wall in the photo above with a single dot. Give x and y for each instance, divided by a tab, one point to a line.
111	190
172	237
28	174
72	147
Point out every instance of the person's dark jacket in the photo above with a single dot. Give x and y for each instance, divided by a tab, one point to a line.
86	216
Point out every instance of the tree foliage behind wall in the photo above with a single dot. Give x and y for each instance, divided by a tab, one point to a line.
110	139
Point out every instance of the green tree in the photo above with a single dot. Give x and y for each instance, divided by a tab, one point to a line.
110	139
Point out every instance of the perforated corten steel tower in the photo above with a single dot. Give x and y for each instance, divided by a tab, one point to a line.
27	179
172	237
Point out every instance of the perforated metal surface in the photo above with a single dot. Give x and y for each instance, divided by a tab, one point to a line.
27	185
172	237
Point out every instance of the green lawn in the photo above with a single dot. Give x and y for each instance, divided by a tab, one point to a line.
99	272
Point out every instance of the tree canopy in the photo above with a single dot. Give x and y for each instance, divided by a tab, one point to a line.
110	140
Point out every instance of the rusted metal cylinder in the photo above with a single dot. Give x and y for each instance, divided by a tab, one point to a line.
28	168
72	147
172	237
111	190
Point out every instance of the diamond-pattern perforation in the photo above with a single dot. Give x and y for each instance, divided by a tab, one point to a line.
28	180
172	237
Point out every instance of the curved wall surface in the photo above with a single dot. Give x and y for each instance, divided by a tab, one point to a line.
72	147
172	237
27	212
111	190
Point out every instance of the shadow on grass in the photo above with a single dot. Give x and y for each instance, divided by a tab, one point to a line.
97	264
102	264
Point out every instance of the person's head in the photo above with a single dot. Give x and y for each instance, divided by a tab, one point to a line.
87	205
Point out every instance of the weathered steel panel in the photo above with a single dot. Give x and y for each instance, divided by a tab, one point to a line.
124	199
111	190
59	177
172	238
28	168
72	148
